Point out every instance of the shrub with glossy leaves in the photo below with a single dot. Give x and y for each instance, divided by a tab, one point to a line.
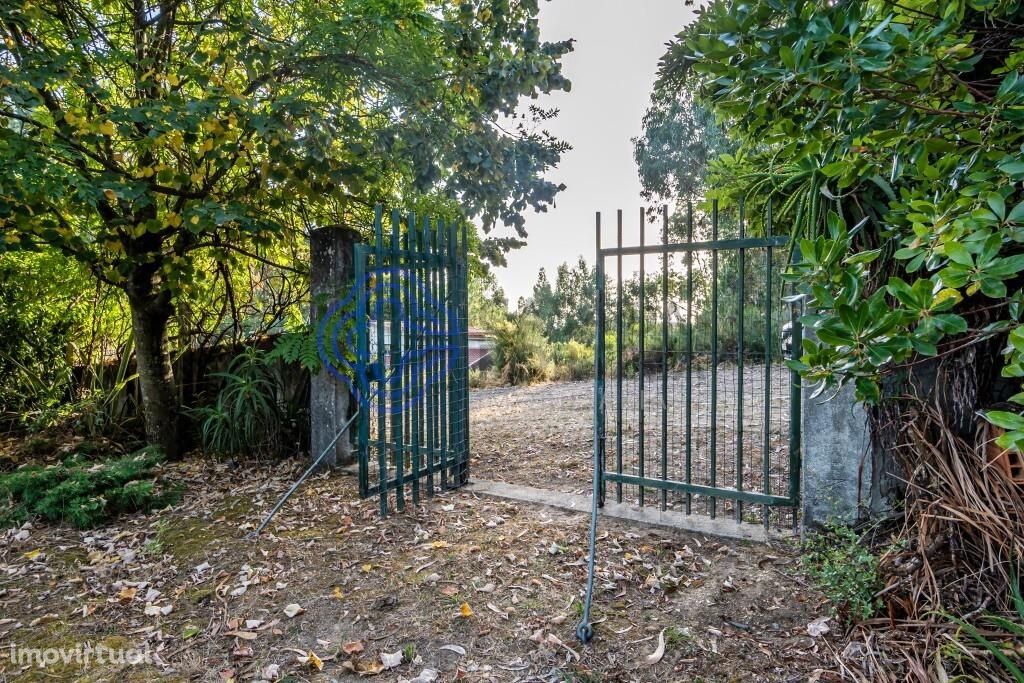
889	136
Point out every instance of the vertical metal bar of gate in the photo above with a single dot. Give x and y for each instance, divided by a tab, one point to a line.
442	385
412	405
395	371
454	438
664	356
380	371
741	276
463	299
689	358
435	363
599	368
714	357
362	386
766	474
794	398
427	312
642	373
618	360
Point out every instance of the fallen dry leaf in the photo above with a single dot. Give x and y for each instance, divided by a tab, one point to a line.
293	610
312	660
818	627
465	610
362	667
244	635
659	652
391	659
352	648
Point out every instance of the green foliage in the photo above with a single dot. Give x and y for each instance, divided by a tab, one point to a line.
105	406
845	570
298	347
567	308
247	417
40	315
572	360
210	124
83	492
680	140
521	352
487	303
897	132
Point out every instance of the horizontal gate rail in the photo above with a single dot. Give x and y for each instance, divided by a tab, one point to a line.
716	491
709	245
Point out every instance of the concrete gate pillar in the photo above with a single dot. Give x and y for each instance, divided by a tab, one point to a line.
332	275
836	448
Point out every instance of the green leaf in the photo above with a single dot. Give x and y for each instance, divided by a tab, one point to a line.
997	204
957	253
950	323
836	168
1017	213
1013	168
787	56
1006	420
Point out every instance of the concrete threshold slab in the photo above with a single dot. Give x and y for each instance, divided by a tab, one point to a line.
700	524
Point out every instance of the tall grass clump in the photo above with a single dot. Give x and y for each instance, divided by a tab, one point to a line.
521	351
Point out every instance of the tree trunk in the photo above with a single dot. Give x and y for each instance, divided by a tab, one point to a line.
150	313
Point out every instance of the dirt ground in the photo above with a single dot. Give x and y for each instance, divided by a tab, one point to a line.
464	587
543	435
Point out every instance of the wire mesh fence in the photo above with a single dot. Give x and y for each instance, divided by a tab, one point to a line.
699	412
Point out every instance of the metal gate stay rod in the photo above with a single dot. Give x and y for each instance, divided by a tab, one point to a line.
305	475
585	629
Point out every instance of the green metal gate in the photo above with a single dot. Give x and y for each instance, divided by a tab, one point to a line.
411	367
696	411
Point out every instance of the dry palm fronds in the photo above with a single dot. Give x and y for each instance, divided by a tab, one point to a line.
955	556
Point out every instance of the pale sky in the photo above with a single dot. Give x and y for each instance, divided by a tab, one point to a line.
612	69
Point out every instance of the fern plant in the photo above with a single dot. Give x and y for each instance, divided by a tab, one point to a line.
83	492
298	347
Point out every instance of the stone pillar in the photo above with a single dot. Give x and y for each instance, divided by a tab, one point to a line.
332	274
836	472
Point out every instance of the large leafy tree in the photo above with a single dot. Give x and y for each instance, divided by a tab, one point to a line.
681	137
566	308
144	138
